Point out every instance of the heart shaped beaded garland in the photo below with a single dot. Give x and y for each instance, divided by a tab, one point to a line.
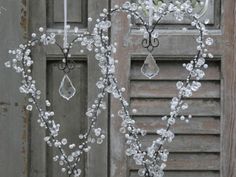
151	159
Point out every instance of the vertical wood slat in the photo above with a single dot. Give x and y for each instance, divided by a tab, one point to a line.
228	161
97	158
37	14
118	159
69	114
14	119
93	165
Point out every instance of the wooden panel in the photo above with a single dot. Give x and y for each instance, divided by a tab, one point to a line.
189	143
77	13
37	14
197	125
189	161
229	73
74	11
210	14
14	119
175	71
73	121
213	14
184	174
198	140
49	14
152	89
198	107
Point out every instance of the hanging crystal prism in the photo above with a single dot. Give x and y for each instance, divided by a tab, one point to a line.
66	89
150	68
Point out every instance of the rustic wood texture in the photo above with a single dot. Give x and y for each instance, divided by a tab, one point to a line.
197	107
46	75
198	125
71	115
190	161
182	173
214	6
14	119
74	15
197	149
189	143
152	89
177	70
228	154
77	13
206	147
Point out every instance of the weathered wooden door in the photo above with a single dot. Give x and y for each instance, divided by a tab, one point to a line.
48	13
205	147
24	152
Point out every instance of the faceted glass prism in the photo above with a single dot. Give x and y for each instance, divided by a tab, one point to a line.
150	68
66	89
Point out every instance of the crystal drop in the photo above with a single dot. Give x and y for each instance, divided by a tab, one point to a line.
150	68
67	90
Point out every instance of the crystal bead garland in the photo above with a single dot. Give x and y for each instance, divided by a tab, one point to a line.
66	89
150	68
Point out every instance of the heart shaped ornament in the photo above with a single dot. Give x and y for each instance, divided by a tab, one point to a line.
152	160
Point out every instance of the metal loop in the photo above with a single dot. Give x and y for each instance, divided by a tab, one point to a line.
67	66
150	43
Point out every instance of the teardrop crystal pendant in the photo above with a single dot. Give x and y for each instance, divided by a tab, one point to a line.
66	89
150	68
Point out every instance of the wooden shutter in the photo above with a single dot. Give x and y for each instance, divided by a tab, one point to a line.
13	117
71	115
206	146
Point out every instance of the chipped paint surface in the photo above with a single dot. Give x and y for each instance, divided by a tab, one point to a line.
24	17
25	139
3	109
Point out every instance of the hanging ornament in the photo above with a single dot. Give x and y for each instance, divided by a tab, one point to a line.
150	41
66	89
150	68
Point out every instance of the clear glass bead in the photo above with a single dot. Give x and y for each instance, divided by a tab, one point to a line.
7	64
209	41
